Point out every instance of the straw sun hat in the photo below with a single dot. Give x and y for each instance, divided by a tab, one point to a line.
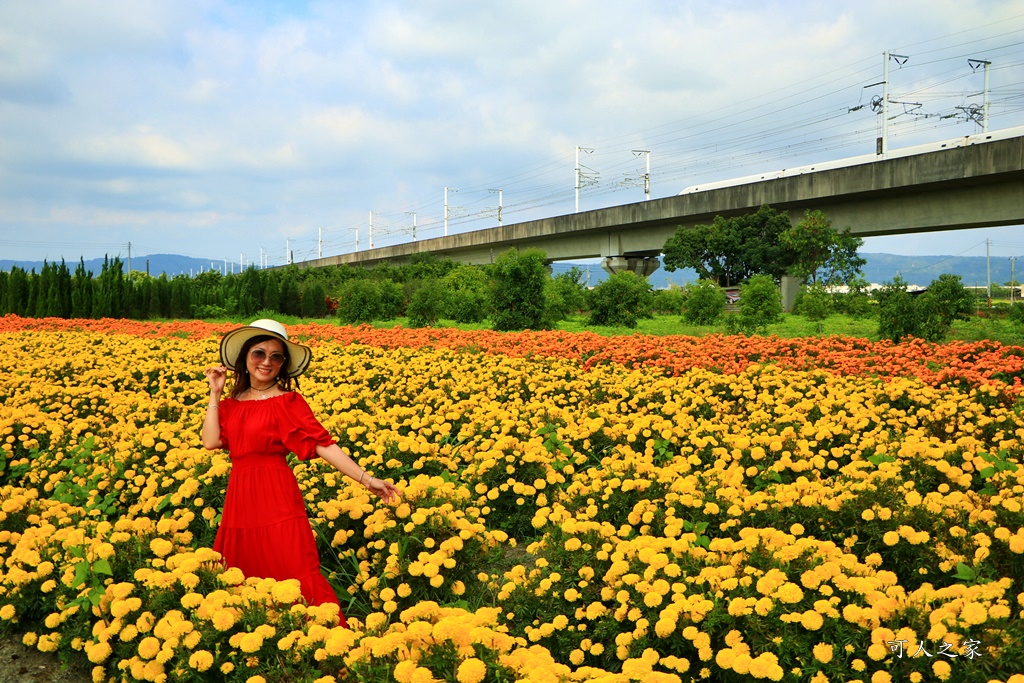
299	356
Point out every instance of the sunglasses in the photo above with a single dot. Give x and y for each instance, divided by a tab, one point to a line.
259	355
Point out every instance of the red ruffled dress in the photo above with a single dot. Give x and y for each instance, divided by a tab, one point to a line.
264	529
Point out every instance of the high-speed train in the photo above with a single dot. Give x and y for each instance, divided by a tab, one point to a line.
963	141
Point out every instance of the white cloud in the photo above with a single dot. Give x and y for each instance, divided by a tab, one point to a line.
238	117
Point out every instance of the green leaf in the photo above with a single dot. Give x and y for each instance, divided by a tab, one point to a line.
964	573
81	574
101	566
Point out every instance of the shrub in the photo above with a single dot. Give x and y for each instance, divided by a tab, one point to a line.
518	290
568	291
945	300
669	300
465	294
704	303
760	306
814	303
425	304
898	317
1016	313
622	299
359	301
392	299
855	302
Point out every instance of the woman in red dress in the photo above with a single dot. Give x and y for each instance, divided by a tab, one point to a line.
264	529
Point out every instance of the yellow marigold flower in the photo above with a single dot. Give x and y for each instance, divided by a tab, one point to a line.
227	667
881	677
890	538
974	613
823	652
223	619
858	665
404	670
811	620
942	669
867	515
99	652
161	547
149	647
576	657
256	679
789	592
288	591
471	670
201	660
7	612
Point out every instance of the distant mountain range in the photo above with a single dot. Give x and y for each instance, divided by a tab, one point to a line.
916	270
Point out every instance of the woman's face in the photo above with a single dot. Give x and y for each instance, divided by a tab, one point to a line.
264	361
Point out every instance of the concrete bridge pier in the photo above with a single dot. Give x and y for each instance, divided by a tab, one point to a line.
641	265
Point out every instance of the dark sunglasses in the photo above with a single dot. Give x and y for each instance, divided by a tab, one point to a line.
259	355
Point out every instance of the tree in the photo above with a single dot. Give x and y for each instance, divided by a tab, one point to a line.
81	292
622	300
290	302
731	250
816	249
517	290
314	299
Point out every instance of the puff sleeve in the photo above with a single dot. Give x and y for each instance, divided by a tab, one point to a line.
301	432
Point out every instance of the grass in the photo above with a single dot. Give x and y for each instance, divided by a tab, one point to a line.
977	328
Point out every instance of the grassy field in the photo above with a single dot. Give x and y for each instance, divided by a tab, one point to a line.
975	329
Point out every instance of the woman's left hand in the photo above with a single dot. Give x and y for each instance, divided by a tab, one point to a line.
384	490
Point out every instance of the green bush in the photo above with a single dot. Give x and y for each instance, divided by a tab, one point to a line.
814	303
1016	313
517	288
898	317
465	294
568	292
760	306
945	300
392	299
622	300
703	303
359	301
669	301
426	303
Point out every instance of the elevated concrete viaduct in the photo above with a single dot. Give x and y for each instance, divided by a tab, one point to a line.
964	187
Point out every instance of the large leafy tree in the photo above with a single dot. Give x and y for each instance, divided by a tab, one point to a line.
731	250
821	254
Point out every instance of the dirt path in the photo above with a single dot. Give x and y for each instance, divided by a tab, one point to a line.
19	664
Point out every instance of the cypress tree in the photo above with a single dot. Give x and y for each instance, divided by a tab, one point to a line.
81	291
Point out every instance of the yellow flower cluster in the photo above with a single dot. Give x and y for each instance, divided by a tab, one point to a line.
558	522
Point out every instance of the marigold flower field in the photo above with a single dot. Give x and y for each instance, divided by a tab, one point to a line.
575	508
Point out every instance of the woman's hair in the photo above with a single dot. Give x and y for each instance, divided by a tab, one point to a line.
242	368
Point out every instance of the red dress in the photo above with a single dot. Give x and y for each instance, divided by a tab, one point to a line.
264	529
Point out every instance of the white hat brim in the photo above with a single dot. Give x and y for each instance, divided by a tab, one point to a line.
299	356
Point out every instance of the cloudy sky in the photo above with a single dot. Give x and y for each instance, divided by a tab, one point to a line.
224	129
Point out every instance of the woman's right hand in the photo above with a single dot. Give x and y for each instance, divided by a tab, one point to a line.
217	375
